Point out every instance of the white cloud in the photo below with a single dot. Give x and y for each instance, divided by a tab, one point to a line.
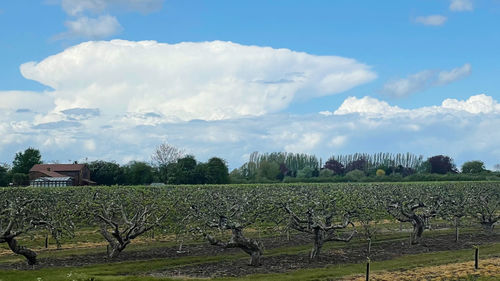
371	107
463	129
77	7
303	143
461	5
446	77
89	145
207	80
338	141
32	101
423	80
475	104
434	20
90	19
95	28
367	105
409	85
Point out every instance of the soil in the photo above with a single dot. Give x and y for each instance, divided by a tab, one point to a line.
349	253
189	250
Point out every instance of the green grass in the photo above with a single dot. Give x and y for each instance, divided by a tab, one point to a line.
117	271
400	263
134	269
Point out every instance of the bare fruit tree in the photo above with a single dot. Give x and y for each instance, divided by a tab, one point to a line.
320	212
217	211
484	204
125	215
20	216
416	206
165	154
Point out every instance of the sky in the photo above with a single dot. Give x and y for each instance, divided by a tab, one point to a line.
85	80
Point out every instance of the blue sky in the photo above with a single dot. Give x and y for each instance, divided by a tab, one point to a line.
225	78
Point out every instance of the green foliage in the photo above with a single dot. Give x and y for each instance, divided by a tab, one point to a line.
20	179
269	171
106	173
24	161
288	165
4	175
473	167
355	175
365	161
216	171
183	171
326	173
137	173
306	172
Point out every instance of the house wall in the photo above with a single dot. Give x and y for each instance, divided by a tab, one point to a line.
36	175
74	174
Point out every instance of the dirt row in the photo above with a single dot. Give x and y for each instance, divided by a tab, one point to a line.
188	250
349	253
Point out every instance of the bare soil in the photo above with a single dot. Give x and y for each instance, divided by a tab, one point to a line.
349	253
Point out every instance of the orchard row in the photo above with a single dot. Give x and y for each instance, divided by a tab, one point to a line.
221	214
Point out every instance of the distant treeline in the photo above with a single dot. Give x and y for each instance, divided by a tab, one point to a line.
362	167
171	166
181	170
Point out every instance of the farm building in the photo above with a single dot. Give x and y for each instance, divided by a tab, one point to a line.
60	175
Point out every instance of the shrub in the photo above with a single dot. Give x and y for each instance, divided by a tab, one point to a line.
355	175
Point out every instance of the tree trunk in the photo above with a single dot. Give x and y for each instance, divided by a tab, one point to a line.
488	226
418	229
114	249
249	246
319	237
255	258
20	250
457	224
369	246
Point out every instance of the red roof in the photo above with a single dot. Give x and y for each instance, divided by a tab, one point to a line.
51	174
56	168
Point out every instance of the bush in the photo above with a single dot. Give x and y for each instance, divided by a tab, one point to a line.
355	175
307	172
473	167
326	173
20	179
380	173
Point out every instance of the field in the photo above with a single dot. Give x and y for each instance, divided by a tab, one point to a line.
211	232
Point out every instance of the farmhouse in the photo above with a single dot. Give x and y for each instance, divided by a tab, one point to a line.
60	175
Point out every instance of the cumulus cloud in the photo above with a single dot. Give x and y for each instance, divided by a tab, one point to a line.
373	107
461	5
207	80
475	104
434	20
93	28
423	80
463	129
367	105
